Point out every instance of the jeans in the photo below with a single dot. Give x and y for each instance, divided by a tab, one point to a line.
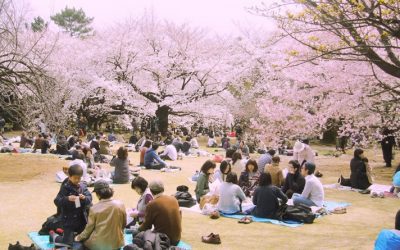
298	199
156	166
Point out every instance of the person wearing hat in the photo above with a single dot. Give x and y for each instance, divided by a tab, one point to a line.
107	220
163	213
302	153
313	192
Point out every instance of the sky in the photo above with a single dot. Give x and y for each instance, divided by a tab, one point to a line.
220	16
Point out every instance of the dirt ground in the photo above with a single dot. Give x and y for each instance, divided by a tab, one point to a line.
28	187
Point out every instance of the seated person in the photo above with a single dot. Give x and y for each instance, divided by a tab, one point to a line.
294	182
202	187
231	195
163	213
133	139
72	140
221	173
227	144
62	147
389	239
237	163
275	171
107	220
244	148
249	178
266	198
212	143
313	193
95	144
111	137
143	150
223	140
104	147
74	218
140	185
78	159
45	144
121	164
38	143
186	146
396	182
194	143
358	176
169	153
177	142
25	142
152	160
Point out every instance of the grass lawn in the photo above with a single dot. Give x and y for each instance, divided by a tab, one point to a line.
28	188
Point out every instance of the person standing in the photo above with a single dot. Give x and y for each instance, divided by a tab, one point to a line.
387	144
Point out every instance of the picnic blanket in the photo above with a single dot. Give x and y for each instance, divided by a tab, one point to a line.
379	188
328	205
42	241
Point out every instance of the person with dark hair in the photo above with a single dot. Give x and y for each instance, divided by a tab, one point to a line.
231	195
358	176
397	221
73	201
121	164
313	192
140	185
265	159
25	142
152	160
193	143
163	213
45	144
387	144
206	171
170	153
244	148
143	150
229	154
186	146
107	220
62	147
95	144
275	171
294	182
237	163
249	178
223	140
224	169
266	198
212	143
78	159
38	143
389	238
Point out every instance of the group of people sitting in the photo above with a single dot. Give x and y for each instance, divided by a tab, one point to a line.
101	226
264	181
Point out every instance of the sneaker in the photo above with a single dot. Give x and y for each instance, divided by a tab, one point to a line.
374	194
211	239
381	195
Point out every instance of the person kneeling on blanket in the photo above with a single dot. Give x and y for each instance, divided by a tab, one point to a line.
107	220
266	198
313	193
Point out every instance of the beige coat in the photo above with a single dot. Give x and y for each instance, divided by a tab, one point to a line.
105	228
276	174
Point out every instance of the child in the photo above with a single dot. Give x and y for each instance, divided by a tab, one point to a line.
73	200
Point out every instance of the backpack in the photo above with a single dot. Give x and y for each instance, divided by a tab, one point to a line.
299	213
52	223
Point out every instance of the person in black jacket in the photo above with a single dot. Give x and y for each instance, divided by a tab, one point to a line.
294	182
73	200
266	198
358	176
387	144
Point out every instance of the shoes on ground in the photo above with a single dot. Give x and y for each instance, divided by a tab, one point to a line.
214	215
211	239
339	210
246	220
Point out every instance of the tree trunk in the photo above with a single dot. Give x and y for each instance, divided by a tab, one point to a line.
162	116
